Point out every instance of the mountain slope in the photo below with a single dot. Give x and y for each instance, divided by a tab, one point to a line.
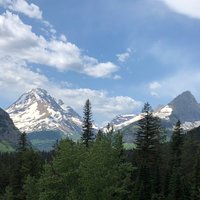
37	111
9	134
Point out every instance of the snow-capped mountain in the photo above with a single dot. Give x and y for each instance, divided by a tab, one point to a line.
184	108
124	120
37	111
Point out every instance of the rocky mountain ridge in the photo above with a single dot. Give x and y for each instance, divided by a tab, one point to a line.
36	110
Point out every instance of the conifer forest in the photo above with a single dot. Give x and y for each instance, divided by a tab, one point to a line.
98	167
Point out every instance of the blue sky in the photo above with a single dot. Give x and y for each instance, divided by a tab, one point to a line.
119	54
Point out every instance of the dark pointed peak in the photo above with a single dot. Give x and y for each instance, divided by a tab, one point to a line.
186	97
185	107
187	93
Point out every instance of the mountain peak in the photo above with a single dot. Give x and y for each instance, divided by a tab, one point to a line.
38	91
184	98
185	107
36	110
187	93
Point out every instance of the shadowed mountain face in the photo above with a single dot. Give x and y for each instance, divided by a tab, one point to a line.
185	108
8	131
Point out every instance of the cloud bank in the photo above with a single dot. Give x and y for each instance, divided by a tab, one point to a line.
18	39
190	8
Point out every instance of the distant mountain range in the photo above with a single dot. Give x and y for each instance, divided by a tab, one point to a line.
46	119
184	108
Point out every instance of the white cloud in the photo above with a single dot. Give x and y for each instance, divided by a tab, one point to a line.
123	57
63	38
22	6
190	8
117	77
153	87
100	69
18	39
19	78
171	86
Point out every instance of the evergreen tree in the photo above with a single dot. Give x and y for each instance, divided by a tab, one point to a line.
178	187
196	179
22	144
148	141
148	136
27	162
30	188
103	175
8	194
87	135
176	146
60	179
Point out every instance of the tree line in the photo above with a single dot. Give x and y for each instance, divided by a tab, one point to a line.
99	168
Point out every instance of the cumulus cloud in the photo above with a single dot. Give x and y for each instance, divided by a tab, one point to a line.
19	78
190	8
18	39
22	6
123	57
153	87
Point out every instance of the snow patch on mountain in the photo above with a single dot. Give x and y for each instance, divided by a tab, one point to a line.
36	110
124	120
164	113
190	125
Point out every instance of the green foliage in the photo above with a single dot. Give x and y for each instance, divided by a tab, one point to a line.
27	163
148	142
8	194
81	173
178	187
30	188
152	170
196	179
6	146
22	145
87	135
148	136
61	176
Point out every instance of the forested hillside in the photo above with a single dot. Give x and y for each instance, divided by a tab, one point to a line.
100	168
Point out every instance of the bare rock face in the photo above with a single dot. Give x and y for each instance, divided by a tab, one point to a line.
8	131
185	107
